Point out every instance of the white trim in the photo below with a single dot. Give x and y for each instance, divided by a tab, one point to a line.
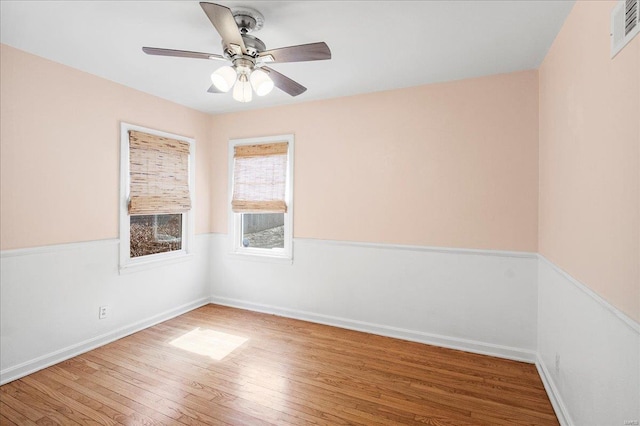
450	342
176	257
28	251
630	322
234	222
435	249
46	360
387	246
188	219
560	409
260	257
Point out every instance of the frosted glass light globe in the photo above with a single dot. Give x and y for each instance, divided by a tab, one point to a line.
261	82
223	78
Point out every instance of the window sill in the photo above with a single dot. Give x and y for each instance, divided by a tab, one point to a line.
141	265
257	257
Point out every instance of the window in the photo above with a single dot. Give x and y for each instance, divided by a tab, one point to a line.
261	197
156	186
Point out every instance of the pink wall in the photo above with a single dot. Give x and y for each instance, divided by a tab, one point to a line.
59	150
452	164
590	157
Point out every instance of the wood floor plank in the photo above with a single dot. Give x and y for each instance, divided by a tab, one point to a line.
10	416
6	421
141	410
20	407
85	397
286	372
87	415
51	409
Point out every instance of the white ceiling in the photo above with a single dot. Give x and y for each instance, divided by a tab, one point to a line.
376	45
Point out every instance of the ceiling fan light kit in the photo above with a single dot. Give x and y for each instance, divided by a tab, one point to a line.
248	55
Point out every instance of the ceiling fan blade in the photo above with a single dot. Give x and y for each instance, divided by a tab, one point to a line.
222	18
285	83
303	52
181	53
213	89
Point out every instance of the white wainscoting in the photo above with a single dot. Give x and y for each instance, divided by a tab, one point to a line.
476	300
49	299
598	380
512	305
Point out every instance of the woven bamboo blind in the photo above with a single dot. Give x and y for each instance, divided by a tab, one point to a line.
259	178
159	175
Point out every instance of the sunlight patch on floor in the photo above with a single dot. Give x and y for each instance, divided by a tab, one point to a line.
211	343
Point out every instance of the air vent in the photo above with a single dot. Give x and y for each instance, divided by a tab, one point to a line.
625	24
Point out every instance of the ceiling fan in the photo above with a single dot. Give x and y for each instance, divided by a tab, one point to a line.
247	54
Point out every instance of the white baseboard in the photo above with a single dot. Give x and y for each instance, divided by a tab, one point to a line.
44	361
482	348
554	395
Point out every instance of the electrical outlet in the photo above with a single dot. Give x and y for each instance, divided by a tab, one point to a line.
557	364
103	312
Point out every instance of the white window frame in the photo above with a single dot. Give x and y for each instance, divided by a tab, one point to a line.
128	264
284	255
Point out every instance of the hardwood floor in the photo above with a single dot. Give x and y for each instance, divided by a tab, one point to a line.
277	371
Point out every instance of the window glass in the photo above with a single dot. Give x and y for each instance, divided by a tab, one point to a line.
263	230
158	233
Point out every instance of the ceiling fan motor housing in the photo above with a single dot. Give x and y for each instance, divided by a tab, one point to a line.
253	44
248	20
